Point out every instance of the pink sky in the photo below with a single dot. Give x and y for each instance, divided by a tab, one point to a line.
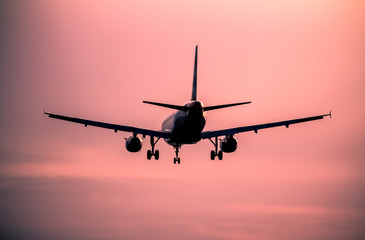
100	59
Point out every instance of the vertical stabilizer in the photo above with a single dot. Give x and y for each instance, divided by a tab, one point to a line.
193	94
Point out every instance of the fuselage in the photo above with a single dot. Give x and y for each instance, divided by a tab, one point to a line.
185	126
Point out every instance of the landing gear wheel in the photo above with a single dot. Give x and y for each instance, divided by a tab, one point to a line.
149	154
177	160
220	155
212	155
157	154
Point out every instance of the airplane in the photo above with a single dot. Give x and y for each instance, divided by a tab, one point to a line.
185	126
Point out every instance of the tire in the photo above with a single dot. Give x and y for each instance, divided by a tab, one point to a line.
220	155
212	155
177	160
157	154
149	154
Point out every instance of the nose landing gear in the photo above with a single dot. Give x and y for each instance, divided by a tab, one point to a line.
152	152
177	159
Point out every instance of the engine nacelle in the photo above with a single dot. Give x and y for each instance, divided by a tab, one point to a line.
228	144
133	144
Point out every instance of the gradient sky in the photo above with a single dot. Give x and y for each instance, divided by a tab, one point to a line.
100	59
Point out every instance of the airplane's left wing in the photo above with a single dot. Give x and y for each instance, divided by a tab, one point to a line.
255	128
114	127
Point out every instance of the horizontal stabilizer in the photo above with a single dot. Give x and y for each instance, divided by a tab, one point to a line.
181	108
223	106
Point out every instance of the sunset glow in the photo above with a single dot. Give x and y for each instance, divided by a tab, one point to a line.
100	59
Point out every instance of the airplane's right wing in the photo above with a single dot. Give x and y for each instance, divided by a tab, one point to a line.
255	128
114	127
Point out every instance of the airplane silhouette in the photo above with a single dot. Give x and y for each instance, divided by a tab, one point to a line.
185	126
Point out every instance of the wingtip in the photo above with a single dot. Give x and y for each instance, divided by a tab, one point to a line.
328	114
45	113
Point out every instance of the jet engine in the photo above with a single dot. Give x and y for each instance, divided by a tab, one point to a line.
228	144
133	143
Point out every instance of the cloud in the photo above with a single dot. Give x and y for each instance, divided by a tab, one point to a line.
134	208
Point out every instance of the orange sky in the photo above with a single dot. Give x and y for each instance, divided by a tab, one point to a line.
100	59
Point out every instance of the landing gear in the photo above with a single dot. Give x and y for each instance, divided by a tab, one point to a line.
215	152
219	154
152	152
177	159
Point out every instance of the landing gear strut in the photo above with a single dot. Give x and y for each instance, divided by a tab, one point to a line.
215	152
152	152
177	159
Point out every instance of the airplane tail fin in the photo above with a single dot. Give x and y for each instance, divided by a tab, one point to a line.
193	94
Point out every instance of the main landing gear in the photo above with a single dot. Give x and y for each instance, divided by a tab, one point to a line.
152	152
177	159
215	152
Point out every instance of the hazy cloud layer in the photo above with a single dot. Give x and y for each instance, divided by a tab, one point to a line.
74	208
